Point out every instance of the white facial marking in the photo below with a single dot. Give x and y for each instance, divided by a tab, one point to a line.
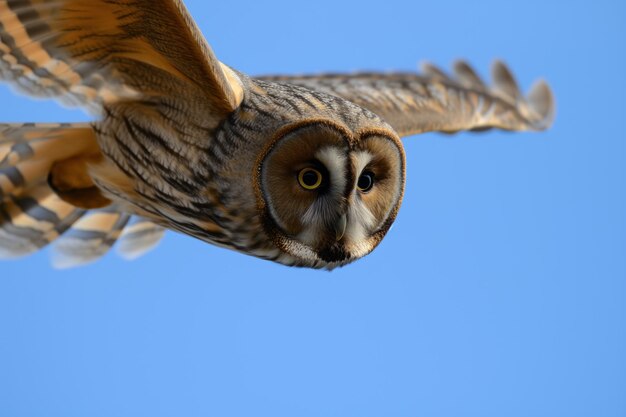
324	209
361	159
361	221
334	159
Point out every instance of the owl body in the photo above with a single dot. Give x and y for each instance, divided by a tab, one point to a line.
211	188
301	170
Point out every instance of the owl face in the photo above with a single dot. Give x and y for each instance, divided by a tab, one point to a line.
328	195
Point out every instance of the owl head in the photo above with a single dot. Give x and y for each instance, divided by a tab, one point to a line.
327	194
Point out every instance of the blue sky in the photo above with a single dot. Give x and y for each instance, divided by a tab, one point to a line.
501	289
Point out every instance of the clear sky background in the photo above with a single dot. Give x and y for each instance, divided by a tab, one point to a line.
500	291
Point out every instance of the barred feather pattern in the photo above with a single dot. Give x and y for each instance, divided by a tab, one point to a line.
89	53
89	238
179	134
34	220
436	101
186	174
32	216
190	177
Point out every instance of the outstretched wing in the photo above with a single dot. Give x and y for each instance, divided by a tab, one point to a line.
91	52
435	101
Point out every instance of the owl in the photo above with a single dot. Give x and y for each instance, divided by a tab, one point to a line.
301	170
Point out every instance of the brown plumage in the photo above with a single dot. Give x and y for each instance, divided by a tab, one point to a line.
305	170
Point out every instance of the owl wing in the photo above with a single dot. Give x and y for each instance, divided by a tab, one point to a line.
33	216
89	53
435	101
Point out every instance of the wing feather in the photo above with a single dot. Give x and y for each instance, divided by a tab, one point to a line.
467	77
89	53
30	222
436	101
139	237
32	215
89	238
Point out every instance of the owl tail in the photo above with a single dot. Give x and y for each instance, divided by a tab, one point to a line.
34	213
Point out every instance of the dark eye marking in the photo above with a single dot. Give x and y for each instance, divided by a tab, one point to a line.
366	181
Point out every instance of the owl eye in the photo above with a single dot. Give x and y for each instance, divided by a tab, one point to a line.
310	178
365	182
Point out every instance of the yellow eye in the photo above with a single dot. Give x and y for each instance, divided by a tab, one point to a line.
310	179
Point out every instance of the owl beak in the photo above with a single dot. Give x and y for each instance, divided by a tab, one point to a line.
340	227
